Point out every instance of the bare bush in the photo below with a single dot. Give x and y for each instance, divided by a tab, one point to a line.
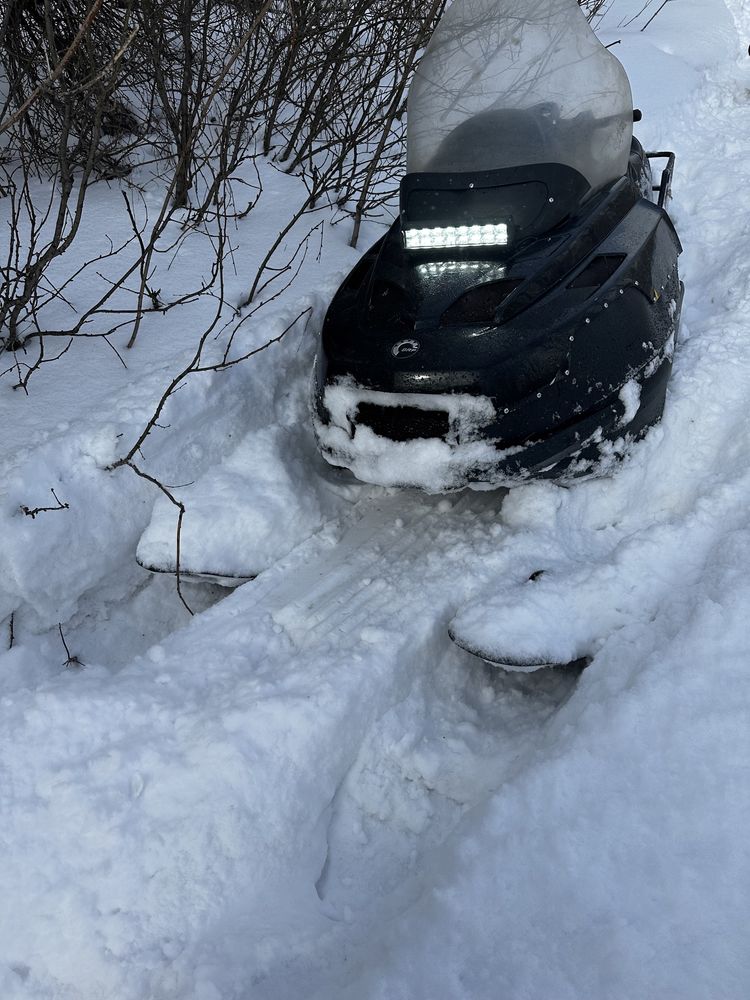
336	109
211	134
189	91
44	222
63	65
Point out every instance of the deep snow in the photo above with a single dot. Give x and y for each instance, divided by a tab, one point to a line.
306	790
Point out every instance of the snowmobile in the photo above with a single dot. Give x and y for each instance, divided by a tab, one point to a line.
518	319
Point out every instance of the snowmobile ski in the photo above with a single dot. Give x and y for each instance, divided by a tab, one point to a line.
505	660
198	576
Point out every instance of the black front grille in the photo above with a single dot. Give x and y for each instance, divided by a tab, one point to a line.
404	423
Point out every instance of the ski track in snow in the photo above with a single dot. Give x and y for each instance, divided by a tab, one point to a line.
308	791
284	667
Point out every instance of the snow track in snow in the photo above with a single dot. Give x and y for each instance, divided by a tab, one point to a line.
423	732
447	733
287	759
336	596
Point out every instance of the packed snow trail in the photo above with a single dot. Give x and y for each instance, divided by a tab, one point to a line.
264	701
359	583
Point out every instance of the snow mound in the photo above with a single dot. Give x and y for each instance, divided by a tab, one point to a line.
244	514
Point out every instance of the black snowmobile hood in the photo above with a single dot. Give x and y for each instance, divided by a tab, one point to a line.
456	306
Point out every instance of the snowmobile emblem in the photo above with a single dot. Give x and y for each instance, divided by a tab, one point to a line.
405	348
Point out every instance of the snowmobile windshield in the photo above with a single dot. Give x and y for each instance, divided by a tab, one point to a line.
510	83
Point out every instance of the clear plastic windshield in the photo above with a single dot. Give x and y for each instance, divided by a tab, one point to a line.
507	83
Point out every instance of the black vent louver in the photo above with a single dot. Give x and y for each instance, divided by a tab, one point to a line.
479	304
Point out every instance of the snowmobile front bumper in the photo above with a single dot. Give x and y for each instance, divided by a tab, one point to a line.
464	436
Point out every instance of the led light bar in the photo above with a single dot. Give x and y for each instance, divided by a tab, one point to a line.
434	269
457	236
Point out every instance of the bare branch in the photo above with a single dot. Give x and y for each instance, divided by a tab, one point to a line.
58	70
32	513
71	661
181	508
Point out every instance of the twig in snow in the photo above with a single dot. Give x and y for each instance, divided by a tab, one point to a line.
181	508
659	10
32	513
196	366
11	631
72	661
625	23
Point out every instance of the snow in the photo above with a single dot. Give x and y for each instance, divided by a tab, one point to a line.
305	789
428	463
630	396
291	497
